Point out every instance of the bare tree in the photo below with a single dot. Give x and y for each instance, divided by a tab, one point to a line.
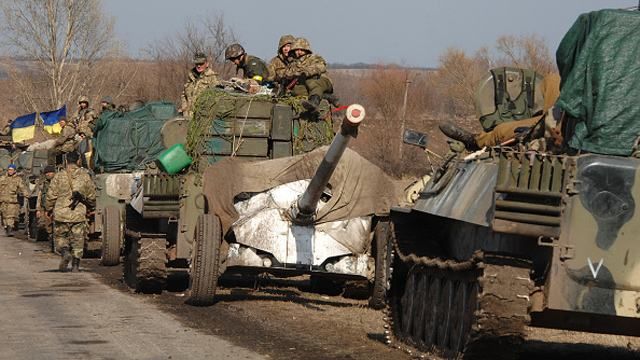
527	51
61	41
173	55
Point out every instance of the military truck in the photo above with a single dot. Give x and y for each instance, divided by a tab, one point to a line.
125	143
540	233
160	221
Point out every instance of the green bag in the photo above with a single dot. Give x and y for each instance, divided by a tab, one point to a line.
508	94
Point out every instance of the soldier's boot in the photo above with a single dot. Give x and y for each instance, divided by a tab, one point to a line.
6	231
65	259
75	265
332	99
312	103
457	133
9	231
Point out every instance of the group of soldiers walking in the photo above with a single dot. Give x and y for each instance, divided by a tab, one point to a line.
295	71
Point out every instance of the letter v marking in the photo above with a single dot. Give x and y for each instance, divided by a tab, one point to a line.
595	271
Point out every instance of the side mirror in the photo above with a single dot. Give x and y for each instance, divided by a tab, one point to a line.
415	138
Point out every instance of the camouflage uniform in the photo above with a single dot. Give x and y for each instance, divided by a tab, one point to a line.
11	187
66	141
70	224
310	70
85	122
194	86
44	219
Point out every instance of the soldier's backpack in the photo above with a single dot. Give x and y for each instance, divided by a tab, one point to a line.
508	94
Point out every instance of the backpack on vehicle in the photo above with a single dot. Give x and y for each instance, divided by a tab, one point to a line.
508	94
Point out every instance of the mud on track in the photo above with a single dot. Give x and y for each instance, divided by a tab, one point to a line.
282	321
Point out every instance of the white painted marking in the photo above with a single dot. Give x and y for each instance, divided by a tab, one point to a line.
595	271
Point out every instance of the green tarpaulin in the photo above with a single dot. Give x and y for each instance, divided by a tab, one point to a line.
599	62
129	140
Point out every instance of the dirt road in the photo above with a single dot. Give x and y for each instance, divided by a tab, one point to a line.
95	316
51	315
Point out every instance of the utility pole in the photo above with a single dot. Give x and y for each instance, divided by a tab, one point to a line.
403	120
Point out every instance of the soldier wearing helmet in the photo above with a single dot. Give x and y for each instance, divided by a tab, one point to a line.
252	66
311	70
106	104
283	58
200	78
85	120
12	187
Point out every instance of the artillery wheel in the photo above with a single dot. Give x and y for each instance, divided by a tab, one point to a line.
205	260
111	236
381	236
145	268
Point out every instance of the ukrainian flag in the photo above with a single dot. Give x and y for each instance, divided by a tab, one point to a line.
23	127
51	120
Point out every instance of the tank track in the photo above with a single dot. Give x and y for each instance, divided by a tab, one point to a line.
147	265
458	309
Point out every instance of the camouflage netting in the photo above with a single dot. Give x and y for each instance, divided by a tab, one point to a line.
600	70
215	105
130	140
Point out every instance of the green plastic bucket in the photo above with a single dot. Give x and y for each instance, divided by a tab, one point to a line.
174	159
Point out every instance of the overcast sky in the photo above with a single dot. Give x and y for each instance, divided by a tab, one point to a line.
412	33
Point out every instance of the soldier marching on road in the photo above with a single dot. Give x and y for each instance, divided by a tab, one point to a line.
71	196
11	187
200	78
44	219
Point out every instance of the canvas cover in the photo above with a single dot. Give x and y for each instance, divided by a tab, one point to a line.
359	188
126	141
600	70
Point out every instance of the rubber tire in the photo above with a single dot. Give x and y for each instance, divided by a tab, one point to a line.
205	261
111	236
381	236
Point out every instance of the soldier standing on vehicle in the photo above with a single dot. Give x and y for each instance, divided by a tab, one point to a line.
200	78
71	196
85	120
11	187
252	67
311	70
43	217
66	141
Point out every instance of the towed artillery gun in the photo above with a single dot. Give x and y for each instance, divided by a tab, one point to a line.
278	221
530	235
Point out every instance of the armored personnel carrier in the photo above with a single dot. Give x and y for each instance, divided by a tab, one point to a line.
541	233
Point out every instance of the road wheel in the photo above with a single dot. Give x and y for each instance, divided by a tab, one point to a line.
205	260
111	236
145	265
381	236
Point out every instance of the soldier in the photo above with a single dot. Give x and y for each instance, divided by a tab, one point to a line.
6	129
279	63
85	120
106	104
66	141
12	187
200	78
311	70
504	131
42	215
252	67
71	195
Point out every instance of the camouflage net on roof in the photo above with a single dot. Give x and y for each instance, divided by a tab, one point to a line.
214	104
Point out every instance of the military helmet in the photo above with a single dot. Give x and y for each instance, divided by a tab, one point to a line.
302	44
233	51
82	99
199	58
49	168
284	40
107	99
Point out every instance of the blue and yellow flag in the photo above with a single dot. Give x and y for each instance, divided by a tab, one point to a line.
51	120
23	127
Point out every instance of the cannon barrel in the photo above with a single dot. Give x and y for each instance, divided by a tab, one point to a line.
305	208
